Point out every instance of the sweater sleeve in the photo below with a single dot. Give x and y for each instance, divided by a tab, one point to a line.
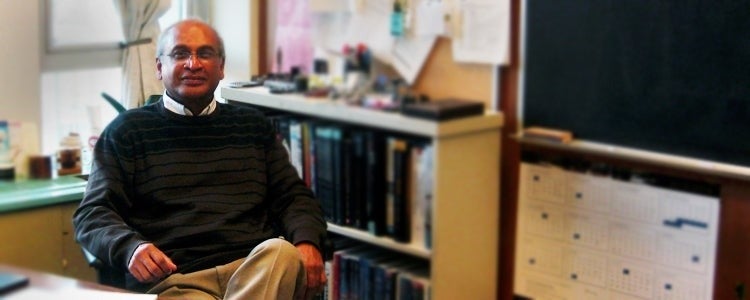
99	220
297	209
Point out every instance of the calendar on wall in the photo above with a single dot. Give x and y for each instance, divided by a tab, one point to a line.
594	234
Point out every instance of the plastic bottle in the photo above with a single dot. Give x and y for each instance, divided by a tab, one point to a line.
6	162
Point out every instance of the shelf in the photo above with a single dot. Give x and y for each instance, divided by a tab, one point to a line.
465	203
342	112
384	242
676	162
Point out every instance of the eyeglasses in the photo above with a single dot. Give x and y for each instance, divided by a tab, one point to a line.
183	55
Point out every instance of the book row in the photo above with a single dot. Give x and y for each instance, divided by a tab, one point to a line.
365	273
372	180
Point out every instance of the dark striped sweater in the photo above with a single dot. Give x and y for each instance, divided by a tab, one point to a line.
205	190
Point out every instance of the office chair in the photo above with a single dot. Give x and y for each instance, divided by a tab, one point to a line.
120	108
105	274
108	275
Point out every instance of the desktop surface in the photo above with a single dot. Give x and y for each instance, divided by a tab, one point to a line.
42	283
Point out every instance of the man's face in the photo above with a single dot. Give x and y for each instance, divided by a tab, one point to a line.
190	66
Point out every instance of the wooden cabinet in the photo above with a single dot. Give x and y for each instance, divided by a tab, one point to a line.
465	210
36	226
41	238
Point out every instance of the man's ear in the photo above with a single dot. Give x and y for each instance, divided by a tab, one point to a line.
158	68
221	69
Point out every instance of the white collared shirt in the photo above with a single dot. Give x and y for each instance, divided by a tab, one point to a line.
180	109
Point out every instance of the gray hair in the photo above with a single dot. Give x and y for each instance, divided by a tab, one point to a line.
161	43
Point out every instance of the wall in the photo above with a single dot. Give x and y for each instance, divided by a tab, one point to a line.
20	27
442	77
232	18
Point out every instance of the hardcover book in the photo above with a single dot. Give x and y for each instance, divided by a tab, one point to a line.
375	182
397	177
325	179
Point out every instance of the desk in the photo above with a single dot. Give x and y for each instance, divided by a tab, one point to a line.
32	193
51	282
47	286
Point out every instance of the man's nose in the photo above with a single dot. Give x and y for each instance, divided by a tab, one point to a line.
193	62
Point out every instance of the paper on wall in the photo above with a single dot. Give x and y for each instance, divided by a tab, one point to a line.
410	54
429	18
329	30
482	31
293	36
371	27
329	5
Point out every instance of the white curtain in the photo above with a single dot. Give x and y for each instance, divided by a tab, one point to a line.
139	21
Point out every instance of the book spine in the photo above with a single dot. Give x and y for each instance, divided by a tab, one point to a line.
324	170
307	129
416	199
390	198
296	146
358	178
425	192
399	207
375	182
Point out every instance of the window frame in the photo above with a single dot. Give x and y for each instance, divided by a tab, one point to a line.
74	57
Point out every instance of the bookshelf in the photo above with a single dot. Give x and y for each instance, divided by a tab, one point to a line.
466	172
384	242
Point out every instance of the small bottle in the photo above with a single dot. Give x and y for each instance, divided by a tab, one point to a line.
397	20
7	169
69	155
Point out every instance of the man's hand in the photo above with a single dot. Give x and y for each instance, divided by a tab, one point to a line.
149	264
316	276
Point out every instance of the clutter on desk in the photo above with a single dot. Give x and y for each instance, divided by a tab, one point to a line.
364	81
279	83
69	155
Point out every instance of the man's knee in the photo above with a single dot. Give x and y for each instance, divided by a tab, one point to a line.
281	249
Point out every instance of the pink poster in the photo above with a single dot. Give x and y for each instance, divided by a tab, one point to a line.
294	47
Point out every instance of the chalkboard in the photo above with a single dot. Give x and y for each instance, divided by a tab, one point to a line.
666	76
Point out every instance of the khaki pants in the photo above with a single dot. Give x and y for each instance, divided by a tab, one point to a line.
273	270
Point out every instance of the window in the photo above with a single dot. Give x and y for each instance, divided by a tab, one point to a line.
67	19
77	68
